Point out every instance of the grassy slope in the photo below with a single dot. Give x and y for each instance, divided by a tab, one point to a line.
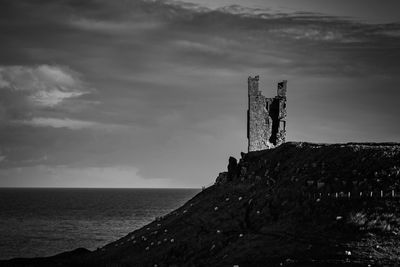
273	216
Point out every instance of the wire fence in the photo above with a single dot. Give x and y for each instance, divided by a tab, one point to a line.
358	195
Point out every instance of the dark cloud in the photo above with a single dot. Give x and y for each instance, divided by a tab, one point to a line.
161	86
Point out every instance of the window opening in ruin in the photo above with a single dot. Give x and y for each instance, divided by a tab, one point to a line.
282	125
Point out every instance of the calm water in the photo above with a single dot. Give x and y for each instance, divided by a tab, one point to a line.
43	222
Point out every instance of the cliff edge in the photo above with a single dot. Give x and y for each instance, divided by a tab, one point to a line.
300	204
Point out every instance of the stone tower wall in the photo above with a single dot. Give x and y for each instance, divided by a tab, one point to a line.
281	120
259	123
266	117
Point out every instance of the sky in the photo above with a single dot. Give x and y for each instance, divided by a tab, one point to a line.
138	93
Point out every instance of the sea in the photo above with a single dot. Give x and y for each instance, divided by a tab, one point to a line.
39	222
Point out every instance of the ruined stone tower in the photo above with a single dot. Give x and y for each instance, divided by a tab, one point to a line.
266	117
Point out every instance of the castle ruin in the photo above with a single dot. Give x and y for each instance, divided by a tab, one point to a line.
266	117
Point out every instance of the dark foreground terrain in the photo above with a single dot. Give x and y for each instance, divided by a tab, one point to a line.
300	204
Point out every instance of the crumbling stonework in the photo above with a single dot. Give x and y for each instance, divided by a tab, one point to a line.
266	117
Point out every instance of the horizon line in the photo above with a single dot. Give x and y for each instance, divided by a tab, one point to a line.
59	187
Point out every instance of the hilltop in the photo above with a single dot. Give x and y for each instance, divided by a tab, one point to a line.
300	204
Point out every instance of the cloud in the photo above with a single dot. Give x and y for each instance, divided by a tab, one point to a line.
44	85
197	46
64	176
310	34
392	33
72	124
170	81
113	27
28	90
60	123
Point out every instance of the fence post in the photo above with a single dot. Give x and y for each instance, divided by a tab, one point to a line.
392	193
381	193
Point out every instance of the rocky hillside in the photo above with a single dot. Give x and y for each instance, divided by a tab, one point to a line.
300	204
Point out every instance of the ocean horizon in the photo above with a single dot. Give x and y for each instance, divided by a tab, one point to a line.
44	221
